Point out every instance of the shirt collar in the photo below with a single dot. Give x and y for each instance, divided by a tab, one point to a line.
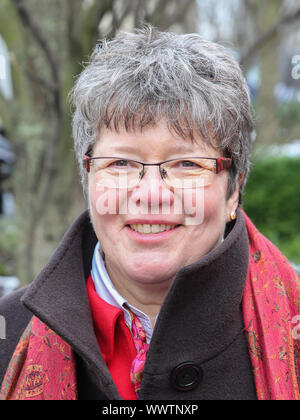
107	291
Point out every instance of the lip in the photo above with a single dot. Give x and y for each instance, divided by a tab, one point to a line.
151	237
151	222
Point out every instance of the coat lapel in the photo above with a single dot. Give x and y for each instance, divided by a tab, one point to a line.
59	298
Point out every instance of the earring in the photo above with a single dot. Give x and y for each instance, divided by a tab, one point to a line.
233	215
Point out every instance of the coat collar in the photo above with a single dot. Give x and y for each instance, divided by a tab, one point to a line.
58	296
203	303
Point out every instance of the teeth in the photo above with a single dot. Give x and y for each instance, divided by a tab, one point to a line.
155	228
145	228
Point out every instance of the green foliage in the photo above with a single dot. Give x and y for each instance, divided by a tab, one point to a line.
289	113
272	201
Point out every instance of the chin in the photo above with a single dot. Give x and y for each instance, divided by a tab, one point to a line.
152	273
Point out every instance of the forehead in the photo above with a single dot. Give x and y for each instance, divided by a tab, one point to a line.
157	139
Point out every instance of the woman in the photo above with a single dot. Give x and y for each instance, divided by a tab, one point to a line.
164	289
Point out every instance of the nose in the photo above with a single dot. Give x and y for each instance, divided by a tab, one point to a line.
152	193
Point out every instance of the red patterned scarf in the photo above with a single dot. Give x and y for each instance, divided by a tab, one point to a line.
141	345
43	365
271	308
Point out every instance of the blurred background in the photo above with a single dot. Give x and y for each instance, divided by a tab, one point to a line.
44	45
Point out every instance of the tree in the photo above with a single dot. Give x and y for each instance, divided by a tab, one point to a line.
272	18
48	42
256	30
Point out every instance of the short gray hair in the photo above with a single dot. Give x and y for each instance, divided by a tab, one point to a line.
137	78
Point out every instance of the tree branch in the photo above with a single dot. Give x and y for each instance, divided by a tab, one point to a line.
104	7
32	75
118	20
157	12
74	45
268	35
161	19
50	151
28	22
140	13
181	10
40	80
126	10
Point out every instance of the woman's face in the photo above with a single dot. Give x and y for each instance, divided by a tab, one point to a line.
141	257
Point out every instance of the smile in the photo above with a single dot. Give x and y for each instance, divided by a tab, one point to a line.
153	228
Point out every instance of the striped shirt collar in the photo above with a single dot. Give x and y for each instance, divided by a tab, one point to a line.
107	291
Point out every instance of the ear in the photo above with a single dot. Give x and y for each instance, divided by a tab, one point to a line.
233	201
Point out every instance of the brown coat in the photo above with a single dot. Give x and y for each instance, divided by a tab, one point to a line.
198	349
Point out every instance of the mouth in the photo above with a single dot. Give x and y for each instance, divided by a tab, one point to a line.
147	229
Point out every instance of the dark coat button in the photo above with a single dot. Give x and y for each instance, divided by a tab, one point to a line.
186	376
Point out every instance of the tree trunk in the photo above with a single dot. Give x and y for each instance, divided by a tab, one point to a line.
48	42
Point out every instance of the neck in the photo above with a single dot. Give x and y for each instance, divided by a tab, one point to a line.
144	296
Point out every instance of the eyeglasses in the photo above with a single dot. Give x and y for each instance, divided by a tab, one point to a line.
187	172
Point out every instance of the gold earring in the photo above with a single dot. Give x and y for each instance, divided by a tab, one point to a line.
233	215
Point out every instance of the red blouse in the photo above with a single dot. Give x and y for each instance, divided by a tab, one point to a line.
115	341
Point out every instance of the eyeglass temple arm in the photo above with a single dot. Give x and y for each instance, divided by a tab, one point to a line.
86	163
223	163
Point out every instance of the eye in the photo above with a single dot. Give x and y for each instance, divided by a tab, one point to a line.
188	164
200	164
120	163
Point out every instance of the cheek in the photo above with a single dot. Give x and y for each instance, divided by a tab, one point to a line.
205	201
107	223
215	203
107	201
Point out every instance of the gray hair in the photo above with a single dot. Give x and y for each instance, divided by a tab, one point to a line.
138	78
